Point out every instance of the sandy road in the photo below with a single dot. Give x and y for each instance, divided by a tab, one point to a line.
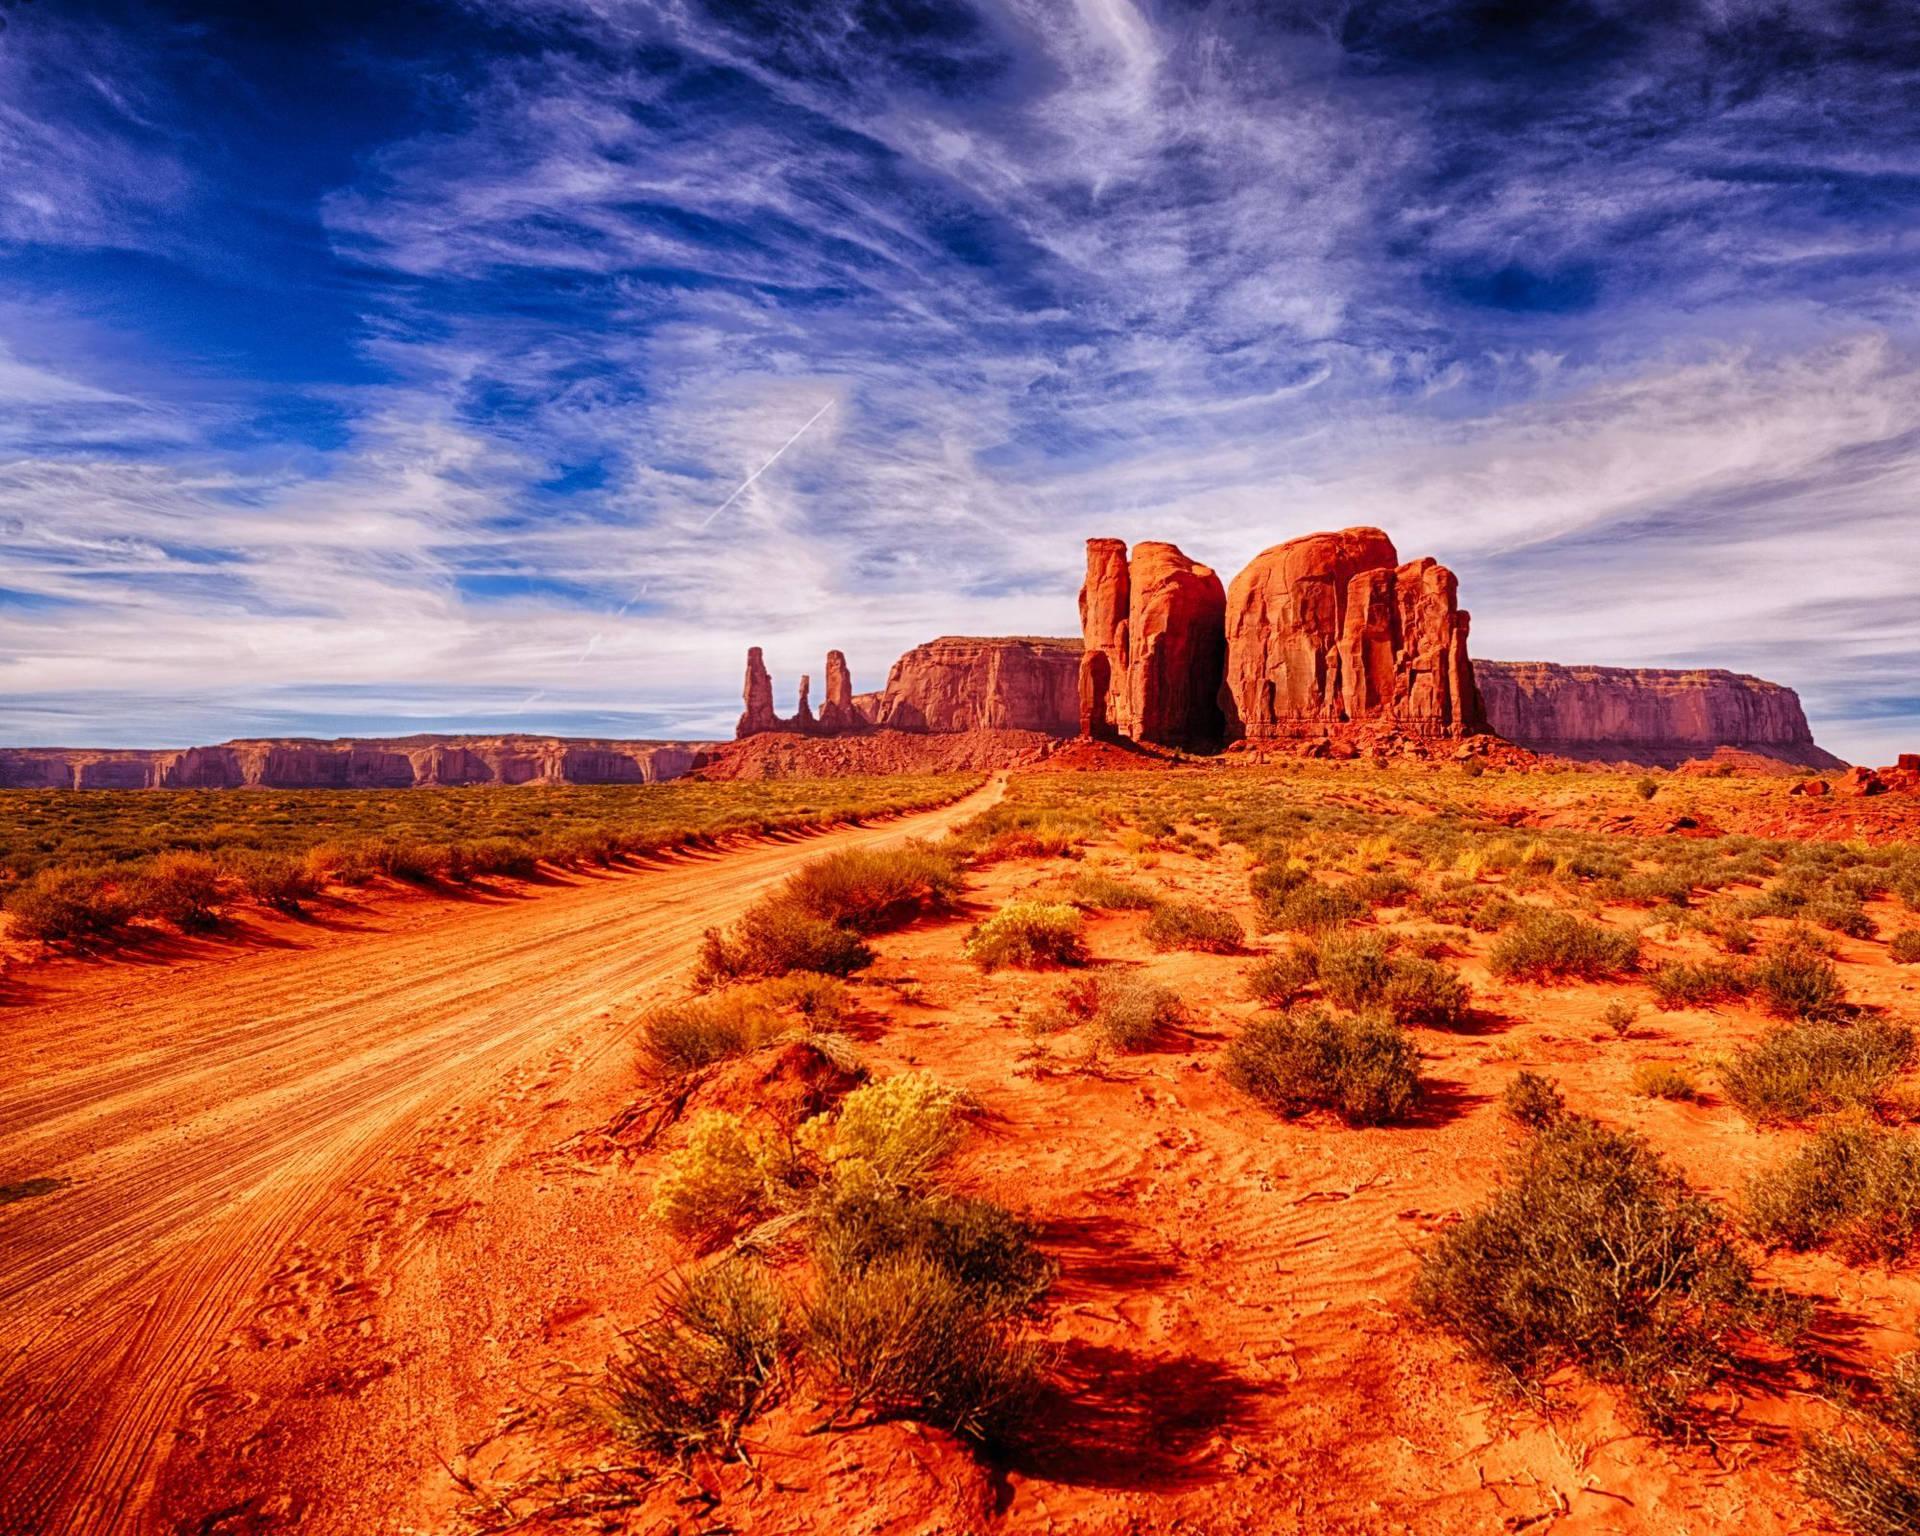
204	1117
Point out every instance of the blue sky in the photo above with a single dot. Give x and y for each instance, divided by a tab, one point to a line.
370	367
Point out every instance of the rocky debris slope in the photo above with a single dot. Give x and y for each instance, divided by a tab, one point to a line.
788	755
1645	715
1153	641
397	763
1332	629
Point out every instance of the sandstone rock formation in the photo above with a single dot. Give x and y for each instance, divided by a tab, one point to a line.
758	715
1331	630
1153	645
1645	715
964	683
399	763
838	715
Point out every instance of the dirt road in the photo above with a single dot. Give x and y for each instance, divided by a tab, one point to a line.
207	1116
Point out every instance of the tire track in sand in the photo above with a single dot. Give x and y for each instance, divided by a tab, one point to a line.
205	1122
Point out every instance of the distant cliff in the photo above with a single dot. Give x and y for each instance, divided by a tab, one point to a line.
403	762
1644	715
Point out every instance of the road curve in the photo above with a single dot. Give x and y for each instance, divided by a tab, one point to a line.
204	1114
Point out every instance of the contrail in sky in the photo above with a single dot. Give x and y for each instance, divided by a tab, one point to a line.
769	464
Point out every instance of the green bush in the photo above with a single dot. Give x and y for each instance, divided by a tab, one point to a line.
1797	1070
1194	925
709	1360
903	1335
275	879
683	1036
1282	979
987	1250
775	937
1905	947
1594	1254
1360	971
67	904
1795	981
1532	1100
1315	908
183	888
1029	935
1696	984
1093	890
1872	1479
1363	1069
870	889
1661	1080
1550	945
1855	1185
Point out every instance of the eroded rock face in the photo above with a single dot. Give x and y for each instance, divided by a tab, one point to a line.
1153	644
758	714
1646	715
966	683
1331	630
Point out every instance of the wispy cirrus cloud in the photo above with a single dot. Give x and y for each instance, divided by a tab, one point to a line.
1607	303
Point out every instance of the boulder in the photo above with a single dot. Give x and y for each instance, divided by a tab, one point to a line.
1647	715
1331	630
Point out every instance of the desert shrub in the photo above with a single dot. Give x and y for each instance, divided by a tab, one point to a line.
719	1179
703	1366
1593	1254
904	1335
405	858
1470	906
1646	789
987	1249
869	889
1872	1477
1030	935
1905	947
1283	978
1382	888
1662	1080
898	1129
1737	936
183	888
1102	892
65	903
1797	1070
1795	981
1855	1185
1548	945
1618	1016
477	858
774	937
1841	912
1532	1100
1363	1069
1432	943
1694	984
1272	882
1193	925
275	879
682	1036
1316	908
1360	971
1130	1013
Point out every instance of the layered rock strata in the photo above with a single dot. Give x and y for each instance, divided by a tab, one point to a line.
1645	715
398	763
965	683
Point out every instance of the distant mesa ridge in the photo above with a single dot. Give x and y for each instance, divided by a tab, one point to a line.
403	762
1318	636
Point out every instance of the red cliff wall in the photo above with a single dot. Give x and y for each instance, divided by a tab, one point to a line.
966	683
1645	715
